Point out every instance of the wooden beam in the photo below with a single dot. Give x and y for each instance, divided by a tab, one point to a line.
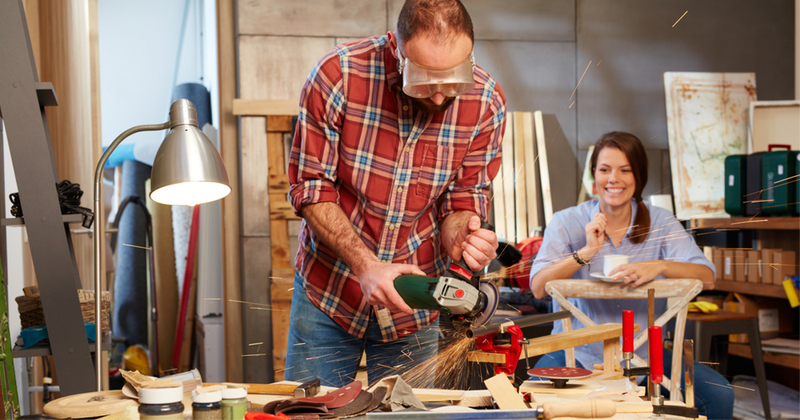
504	394
231	235
265	107
579	337
520	186
486	357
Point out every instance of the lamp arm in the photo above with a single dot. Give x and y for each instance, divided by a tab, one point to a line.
98	232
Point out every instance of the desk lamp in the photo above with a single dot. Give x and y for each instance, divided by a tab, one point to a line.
187	170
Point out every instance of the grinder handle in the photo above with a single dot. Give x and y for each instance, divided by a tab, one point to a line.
463	264
595	409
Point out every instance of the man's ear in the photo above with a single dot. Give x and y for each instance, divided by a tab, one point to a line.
392	43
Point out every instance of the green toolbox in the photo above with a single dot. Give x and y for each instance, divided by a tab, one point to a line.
735	178
777	175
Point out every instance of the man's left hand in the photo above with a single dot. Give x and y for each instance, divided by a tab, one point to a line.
477	246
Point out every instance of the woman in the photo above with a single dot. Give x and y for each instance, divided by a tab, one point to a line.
620	222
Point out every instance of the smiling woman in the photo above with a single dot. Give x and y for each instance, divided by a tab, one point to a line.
579	238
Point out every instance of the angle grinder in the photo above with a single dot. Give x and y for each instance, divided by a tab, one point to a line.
468	301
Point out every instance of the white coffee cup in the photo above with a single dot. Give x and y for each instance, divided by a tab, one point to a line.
611	261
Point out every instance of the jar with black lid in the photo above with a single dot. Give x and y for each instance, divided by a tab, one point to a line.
206	405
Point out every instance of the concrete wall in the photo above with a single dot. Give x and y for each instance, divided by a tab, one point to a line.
539	51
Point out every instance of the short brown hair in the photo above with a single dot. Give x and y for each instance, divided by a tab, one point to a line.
634	151
440	18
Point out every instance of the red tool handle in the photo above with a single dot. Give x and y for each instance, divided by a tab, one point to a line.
656	354
627	331
778	146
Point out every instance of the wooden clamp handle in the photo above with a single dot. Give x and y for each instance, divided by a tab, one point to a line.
595	409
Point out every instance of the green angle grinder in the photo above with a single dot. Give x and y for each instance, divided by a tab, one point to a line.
469	301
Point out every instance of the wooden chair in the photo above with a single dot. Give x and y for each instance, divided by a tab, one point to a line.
683	289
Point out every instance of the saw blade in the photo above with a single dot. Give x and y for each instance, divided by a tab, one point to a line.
491	297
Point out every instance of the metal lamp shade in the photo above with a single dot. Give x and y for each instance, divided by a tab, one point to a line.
187	169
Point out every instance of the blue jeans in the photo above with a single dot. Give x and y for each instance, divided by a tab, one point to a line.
319	347
713	394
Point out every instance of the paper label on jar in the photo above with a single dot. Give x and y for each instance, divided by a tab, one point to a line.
768	320
780	169
727	265
730	180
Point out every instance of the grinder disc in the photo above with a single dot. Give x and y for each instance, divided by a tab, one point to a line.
490	299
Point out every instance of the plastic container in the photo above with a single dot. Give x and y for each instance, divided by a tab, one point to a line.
206	405
161	403
234	403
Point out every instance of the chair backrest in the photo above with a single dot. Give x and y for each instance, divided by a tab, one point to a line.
683	289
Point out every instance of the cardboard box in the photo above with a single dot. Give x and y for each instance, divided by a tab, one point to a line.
766	270
785	264
727	264
739	265
774	315
752	269
717	258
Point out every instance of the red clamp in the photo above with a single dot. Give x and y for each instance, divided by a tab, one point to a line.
511	349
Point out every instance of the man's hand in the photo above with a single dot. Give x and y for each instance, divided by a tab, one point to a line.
477	246
377	283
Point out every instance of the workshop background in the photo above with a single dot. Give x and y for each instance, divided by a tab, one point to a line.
615	51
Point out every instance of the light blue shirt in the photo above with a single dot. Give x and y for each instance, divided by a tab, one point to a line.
566	233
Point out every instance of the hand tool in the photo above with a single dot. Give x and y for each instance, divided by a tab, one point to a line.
689	411
307	389
627	348
506	338
596	409
462	295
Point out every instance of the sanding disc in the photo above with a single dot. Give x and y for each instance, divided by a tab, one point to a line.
491	297
560	375
90	404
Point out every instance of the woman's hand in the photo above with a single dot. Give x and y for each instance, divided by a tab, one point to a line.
595	236
637	274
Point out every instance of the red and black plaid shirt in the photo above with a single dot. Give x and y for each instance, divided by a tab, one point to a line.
397	173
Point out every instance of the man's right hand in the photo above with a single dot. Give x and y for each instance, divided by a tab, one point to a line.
377	283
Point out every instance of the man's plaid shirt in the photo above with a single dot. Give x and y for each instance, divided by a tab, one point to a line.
396	172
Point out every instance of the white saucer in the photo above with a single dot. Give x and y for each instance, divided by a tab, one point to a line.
602	277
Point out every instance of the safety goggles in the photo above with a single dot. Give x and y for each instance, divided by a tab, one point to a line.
420	82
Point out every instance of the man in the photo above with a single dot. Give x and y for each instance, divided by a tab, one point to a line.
391	174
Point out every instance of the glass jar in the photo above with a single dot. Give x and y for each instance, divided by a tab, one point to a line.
161	403
206	405
234	403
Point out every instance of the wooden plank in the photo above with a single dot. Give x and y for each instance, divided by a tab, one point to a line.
532	193
780	359
428	394
279	184
229	147
612	354
486	357
768	290
271	67
544	168
499	206
570	339
282	210
254	304
356	18
277	123
761	223
260	107
504	394
563	165
520	188
255	197
508	180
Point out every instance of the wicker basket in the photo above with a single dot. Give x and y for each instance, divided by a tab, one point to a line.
31	313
